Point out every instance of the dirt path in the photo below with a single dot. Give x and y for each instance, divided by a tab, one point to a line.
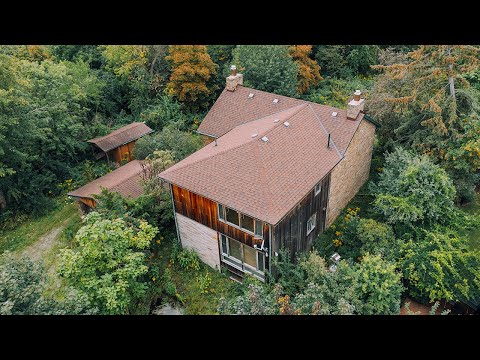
40	248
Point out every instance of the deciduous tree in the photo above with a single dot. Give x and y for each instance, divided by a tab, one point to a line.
308	70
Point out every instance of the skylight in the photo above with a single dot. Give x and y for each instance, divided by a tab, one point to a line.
264	139
286	123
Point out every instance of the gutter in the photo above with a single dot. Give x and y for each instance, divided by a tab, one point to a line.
369	118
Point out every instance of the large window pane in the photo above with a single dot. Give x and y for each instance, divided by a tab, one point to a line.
258	228
261	265
235	249
247	223
220	212
250	255
232	216
224	244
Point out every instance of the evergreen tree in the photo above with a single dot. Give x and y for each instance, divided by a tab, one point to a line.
267	67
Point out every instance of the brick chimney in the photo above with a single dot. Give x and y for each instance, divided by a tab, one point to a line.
234	79
355	105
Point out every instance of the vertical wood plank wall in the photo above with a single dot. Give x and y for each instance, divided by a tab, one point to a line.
291	231
123	151
204	211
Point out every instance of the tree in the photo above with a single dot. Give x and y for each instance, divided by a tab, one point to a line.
412	190
222	55
22	287
108	263
180	143
164	111
439	265
308	70
267	67
345	61
44	108
257	300
378	286
428	103
193	74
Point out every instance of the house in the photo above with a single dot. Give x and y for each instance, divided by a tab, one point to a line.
125	180
275	173
119	144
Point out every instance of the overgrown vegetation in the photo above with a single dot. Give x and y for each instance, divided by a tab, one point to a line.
404	226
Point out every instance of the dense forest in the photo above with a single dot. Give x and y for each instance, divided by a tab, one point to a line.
412	230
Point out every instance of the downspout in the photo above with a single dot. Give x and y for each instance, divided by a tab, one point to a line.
175	216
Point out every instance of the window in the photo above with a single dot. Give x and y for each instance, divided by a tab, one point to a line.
260	259
318	188
247	223
242	257
311	223
242	221
232	216
224	244
258	228
221	214
250	256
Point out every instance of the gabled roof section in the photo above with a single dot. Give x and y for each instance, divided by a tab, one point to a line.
121	136
263	179
234	108
126	180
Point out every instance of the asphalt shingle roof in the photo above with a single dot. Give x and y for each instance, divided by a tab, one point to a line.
121	136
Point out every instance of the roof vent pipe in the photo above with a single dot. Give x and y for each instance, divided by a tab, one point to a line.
215	141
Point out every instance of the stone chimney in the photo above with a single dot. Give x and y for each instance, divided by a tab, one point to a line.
234	79
355	105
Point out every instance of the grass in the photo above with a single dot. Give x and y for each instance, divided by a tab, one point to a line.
31	230
195	299
474	235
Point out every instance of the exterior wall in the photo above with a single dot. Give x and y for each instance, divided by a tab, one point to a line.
89	202
201	239
352	172
291	231
122	152
205	211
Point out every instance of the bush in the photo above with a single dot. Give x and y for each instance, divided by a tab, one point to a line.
187	259
412	190
180	143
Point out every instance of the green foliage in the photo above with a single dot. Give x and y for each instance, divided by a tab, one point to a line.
433	309
336	92
90	54
108	263
22	285
438	265
44	108
165	110
412	190
378	286
187	259
257	300
180	143
267	67
345	61
204	283
288	275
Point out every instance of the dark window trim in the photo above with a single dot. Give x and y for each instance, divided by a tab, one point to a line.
224	220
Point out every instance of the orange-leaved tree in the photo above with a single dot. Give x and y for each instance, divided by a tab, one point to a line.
191	80
308	69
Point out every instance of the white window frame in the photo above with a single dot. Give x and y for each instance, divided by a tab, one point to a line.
240	264
311	223
318	188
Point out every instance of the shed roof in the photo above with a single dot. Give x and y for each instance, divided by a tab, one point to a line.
121	136
125	180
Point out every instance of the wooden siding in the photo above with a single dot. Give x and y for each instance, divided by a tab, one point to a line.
205	212
122	152
89	202
291	231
